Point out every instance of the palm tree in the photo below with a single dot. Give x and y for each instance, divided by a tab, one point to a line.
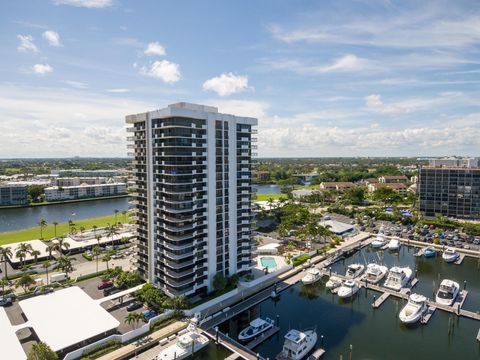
41	350
42	223
35	254
178	303
25	281
65	264
111	231
71	224
82	229
55	228
22	250
46	265
124	213
116	213
61	244
96	253
133	318
6	254
51	248
270	203
106	258
95	227
4	282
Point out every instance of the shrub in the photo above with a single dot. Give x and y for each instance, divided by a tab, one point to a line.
300	260
102	349
87	257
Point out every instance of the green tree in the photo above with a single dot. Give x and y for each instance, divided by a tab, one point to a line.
65	264
6	254
4	282
386	195
61	245
46	265
106	258
55	224
133	319
355	195
177	303
124	214
35	254
96	253
112	231
22	250
25	281
42	223
95	227
35	192
41	351
116	211
219	282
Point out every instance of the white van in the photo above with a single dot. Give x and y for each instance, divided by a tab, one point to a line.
58	277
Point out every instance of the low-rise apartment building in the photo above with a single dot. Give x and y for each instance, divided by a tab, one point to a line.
393	179
13	195
336	185
85	173
401	188
58	193
76	181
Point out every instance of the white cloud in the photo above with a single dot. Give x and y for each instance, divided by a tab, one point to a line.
85	3
154	48
26	43
374	103
348	62
164	70
42	69
226	84
76	84
249	108
52	37
82	123
117	90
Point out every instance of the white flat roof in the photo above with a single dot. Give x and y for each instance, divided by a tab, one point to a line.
74	244
36	245
337	227
269	246
66	317
11	348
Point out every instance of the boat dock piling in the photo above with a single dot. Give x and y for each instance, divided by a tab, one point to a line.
378	302
478	335
267	334
430	310
460	299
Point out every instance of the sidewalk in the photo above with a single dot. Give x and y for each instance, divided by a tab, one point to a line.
131	350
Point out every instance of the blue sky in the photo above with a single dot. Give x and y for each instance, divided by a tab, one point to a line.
325	78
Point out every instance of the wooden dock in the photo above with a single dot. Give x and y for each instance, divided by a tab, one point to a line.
238	349
460	259
462	296
426	317
378	302
317	354
264	336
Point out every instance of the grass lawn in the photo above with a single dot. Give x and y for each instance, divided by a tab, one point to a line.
265	197
48	232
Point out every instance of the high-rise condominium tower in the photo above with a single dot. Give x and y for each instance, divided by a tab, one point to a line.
192	175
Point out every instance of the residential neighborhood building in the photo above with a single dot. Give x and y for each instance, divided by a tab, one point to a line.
76	181
84	191
393	179
13	194
193	183
85	173
401	188
336	185
450	191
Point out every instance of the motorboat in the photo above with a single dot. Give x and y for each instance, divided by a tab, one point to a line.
375	273
333	283
297	344
398	277
447	292
429	252
348	289
354	270
187	344
380	239
450	255
255	328
313	275
414	310
394	245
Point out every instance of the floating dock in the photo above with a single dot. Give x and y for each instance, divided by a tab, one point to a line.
378	302
267	334
478	335
460	259
431	309
317	354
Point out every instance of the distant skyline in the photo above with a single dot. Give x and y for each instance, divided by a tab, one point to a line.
324	78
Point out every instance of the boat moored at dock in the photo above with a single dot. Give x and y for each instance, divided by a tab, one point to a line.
450	255
354	271
313	275
398	277
447	292
348	289
297	344
375	273
415	308
255	328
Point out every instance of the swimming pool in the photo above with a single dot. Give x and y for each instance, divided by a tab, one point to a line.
268	262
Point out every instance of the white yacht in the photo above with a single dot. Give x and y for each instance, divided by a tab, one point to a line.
313	275
375	273
182	348
450	255
348	289
415	308
394	245
447	293
297	344
333	283
256	327
398	277
354	270
380	239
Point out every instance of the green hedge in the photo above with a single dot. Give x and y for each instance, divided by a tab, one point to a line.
102	349
19	275
300	260
90	276
86	257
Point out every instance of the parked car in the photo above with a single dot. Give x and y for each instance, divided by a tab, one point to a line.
5	301
42	290
104	285
149	314
134	306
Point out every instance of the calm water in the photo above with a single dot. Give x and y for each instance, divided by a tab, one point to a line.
374	334
267	189
22	218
